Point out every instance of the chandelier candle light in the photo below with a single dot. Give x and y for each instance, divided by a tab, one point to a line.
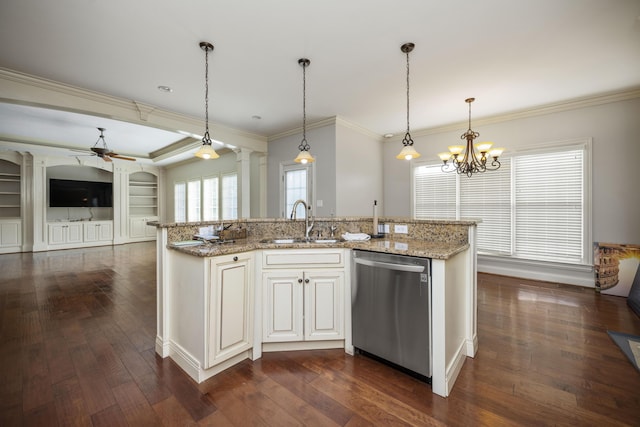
304	156
206	151
407	152
464	159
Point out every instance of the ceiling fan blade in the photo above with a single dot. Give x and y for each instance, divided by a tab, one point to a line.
107	159
118	156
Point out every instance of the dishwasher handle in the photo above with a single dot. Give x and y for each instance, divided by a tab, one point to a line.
391	266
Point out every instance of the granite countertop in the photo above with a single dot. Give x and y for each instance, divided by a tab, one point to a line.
411	247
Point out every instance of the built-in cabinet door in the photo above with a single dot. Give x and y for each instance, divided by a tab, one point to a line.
74	233
324	305
283	306
10	233
65	233
230	306
137	227
98	231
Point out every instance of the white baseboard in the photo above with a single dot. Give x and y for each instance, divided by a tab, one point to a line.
578	275
454	368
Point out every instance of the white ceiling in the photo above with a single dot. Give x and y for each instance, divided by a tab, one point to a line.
509	55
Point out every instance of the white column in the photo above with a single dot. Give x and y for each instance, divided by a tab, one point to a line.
244	182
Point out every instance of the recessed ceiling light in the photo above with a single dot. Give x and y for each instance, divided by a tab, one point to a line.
388	135
165	89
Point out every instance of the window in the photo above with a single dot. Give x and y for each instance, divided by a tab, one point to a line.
210	198
193	201
230	196
296	179
535	207
180	202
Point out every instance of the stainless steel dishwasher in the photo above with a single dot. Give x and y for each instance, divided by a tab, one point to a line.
391	309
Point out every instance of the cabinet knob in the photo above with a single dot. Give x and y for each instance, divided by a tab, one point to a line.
299	280
306	280
235	258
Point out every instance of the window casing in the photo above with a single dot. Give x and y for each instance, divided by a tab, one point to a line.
535	207
296	184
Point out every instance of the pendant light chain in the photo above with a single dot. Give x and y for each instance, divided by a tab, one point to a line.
407	92
206	96
304	146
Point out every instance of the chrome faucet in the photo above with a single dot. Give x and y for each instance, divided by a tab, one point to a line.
307	209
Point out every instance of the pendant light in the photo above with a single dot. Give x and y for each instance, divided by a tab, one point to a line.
206	151
464	159
407	152
304	156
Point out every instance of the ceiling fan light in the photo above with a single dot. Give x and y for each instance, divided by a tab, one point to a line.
207	152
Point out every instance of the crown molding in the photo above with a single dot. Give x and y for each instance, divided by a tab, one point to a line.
25	89
568	105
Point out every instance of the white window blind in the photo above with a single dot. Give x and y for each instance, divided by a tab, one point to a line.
179	202
534	207
549	205
488	196
434	193
193	201
210	199
230	196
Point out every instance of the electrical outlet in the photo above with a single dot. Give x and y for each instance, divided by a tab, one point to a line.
401	229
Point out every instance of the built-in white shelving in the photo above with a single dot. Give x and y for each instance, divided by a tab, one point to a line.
10	194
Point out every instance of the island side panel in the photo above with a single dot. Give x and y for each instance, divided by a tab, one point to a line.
450	313
187	311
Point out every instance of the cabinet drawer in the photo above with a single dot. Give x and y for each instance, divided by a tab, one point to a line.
302	258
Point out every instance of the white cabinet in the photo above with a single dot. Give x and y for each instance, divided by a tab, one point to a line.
303	295
10	233
98	231
138	228
230	306
65	233
209	310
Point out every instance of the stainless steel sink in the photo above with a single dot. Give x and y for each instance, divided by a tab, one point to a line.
290	240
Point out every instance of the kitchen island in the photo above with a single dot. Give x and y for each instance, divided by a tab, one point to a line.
220	303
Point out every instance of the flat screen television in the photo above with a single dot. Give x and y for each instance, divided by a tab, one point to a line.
67	193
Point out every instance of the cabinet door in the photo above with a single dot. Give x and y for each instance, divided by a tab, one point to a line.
105	231
74	233
283	306
324	311
10	234
150	231
57	234
230	306
91	231
137	227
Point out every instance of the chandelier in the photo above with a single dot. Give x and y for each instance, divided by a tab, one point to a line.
206	151
407	152
464	159
304	156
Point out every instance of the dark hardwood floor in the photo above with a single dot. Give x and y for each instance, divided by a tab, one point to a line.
77	332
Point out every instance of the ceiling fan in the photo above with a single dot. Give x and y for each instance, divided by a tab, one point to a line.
104	152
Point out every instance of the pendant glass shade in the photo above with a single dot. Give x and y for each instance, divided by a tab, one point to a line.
408	153
304	157
207	152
